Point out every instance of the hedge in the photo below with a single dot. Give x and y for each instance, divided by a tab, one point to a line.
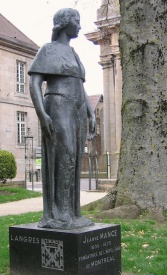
8	167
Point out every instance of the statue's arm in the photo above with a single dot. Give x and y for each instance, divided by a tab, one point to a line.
91	116
37	99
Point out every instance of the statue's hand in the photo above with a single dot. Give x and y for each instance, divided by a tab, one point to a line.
46	125
92	127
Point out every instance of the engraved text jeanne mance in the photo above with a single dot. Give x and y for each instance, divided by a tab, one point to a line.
101	236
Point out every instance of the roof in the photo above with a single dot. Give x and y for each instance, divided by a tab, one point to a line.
9	33
95	99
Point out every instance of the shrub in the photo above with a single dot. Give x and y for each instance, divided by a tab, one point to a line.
8	167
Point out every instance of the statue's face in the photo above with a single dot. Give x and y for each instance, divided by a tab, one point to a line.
73	27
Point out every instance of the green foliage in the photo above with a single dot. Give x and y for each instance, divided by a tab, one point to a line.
9	194
8	167
143	245
7	221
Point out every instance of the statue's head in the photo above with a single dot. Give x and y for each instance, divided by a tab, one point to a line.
61	20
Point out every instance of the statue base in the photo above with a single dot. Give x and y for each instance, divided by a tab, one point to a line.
94	250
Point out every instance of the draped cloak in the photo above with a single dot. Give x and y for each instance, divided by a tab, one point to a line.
58	59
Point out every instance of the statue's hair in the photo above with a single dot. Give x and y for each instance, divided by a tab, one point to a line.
61	20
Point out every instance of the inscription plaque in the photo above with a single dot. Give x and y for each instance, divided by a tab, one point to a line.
100	249
93	250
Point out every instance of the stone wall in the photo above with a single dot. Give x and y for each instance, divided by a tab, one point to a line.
12	102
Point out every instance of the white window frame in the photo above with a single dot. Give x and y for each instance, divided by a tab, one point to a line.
20	77
98	129
21	127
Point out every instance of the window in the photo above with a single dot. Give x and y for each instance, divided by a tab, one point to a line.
21	127
97	112
20	77
39	133
97	129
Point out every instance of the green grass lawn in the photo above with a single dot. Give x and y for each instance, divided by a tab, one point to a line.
9	194
5	222
144	243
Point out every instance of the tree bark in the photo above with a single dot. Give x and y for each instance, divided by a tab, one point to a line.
142	174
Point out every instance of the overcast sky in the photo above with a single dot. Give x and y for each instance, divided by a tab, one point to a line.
34	19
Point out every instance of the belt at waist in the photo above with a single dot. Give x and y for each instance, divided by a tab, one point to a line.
53	94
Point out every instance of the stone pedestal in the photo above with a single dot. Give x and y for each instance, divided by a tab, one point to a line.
94	250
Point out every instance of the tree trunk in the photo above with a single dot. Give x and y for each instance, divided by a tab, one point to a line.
142	174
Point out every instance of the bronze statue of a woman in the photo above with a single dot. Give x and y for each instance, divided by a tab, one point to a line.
63	117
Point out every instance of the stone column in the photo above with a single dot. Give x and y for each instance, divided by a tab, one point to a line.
107	35
117	84
109	107
118	100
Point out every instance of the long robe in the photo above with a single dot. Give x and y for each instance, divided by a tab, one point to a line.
65	103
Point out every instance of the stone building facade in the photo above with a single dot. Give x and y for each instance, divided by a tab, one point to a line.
107	35
17	113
